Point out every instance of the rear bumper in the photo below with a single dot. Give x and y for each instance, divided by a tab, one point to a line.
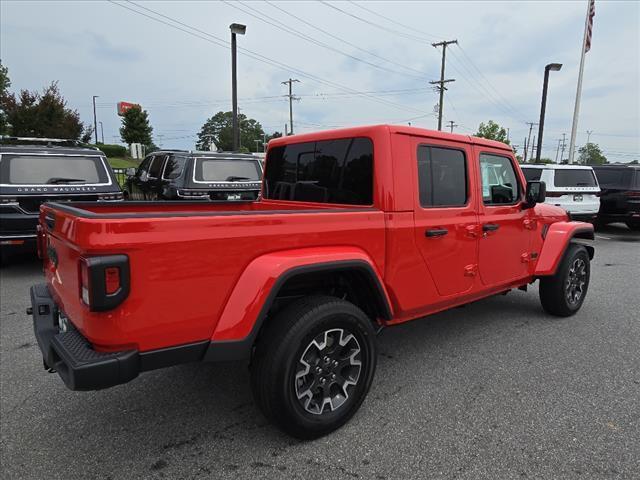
81	367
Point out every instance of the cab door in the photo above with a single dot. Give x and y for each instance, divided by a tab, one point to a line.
445	216
505	226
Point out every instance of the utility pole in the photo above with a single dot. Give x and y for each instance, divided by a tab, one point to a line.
102	132
257	145
564	137
236	29
442	81
508	129
291	99
95	123
528	142
558	150
451	125
589	132
533	146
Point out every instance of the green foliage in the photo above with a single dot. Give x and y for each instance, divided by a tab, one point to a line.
45	114
5	83
113	150
87	135
219	130
492	131
590	154
544	161
136	128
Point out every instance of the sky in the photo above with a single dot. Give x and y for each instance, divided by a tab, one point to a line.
357	63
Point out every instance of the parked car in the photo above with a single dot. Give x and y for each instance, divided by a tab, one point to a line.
176	174
572	187
620	196
357	229
38	170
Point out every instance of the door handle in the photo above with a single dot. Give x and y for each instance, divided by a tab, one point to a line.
490	227
436	232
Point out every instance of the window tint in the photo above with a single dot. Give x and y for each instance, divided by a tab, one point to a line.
532	174
226	170
330	171
613	177
144	166
50	169
156	166
442	177
499	180
173	167
574	178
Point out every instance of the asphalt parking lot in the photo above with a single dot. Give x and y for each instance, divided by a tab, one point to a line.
494	390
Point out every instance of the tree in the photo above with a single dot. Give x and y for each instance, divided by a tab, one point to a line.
45	114
5	83
87	135
492	131
590	154
136	128
219	130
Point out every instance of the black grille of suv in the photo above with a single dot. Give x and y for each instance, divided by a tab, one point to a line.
32	204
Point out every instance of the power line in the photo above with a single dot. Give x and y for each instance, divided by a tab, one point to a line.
273	22
390	20
373	54
256	56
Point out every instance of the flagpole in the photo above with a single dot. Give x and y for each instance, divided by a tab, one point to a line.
576	109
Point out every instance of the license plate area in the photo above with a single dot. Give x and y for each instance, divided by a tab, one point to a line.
577	197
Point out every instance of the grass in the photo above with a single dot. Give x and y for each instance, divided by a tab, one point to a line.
120	162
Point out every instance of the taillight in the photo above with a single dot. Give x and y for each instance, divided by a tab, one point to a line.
84	282
104	281
632	193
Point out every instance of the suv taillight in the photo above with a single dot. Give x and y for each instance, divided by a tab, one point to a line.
632	193
104	281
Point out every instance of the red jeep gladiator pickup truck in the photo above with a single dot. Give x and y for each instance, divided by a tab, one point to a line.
356	229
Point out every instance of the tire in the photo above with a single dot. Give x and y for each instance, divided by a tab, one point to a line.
289	365
635	226
563	293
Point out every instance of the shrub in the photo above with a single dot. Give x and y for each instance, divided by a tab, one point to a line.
113	150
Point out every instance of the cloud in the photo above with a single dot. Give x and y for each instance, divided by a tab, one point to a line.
103	49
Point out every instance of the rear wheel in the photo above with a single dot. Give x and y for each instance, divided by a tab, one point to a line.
563	293
313	366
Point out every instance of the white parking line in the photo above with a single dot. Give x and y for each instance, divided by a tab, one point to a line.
604	238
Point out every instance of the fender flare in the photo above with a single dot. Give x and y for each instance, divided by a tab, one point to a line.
249	303
556	241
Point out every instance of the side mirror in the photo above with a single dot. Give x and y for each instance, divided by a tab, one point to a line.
536	193
131	172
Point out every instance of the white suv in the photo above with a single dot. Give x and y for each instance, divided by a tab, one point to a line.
572	187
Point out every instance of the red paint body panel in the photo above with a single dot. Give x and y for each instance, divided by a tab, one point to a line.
202	271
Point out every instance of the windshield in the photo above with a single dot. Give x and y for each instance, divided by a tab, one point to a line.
51	170
229	170
575	178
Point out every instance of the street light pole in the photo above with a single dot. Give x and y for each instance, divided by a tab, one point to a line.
95	123
101	132
236	29
543	106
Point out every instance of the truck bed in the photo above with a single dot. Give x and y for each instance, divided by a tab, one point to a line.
184	257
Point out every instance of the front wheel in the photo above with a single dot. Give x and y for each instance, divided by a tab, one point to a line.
563	293
313	365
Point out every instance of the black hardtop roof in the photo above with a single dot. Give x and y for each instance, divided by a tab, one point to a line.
197	153
618	165
52	150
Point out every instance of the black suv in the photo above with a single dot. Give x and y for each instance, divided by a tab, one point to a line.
172	175
620	196
38	170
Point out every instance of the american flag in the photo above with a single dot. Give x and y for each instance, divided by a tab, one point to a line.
590	15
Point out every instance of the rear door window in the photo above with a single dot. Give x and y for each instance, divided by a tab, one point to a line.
442	177
499	180
173	167
156	166
613	177
574	178
330	171
52	170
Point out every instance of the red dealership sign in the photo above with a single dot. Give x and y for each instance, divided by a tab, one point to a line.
124	106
